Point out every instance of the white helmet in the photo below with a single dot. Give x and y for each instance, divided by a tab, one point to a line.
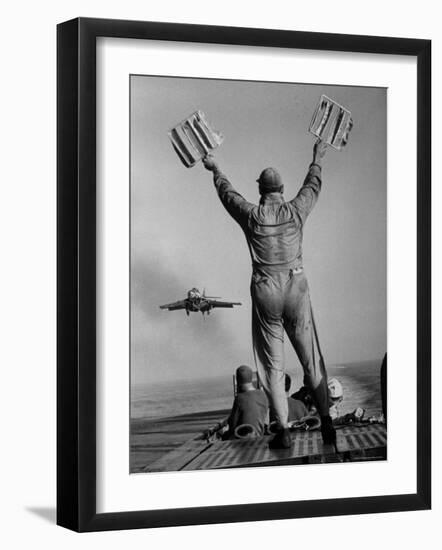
335	389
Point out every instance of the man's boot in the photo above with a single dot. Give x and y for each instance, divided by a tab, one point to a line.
282	440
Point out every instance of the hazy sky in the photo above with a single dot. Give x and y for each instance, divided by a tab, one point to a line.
182	237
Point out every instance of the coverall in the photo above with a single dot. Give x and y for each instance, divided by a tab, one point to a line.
249	407
279	287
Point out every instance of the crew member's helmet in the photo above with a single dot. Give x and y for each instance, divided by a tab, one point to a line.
335	389
270	181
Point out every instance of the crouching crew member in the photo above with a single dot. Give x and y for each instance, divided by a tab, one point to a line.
250	408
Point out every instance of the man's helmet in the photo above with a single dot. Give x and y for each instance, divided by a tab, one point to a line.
335	389
269	181
244	375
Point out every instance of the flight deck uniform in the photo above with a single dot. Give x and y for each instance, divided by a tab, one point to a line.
250	408
279	288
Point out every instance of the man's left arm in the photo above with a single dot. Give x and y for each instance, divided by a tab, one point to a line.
235	204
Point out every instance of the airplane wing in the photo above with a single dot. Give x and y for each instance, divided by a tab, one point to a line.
216	303
181	304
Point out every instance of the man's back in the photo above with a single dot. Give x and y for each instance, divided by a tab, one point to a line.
274	227
274	233
249	407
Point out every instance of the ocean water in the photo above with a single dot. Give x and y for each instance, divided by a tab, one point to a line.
165	399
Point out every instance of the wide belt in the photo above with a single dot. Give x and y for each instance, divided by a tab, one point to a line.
279	268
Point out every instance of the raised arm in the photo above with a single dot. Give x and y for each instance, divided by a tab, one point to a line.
235	204
307	196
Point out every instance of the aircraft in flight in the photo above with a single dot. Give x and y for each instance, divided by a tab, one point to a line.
196	301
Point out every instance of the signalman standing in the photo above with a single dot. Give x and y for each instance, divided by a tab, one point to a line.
279	288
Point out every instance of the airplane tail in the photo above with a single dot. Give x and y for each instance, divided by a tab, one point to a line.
211	297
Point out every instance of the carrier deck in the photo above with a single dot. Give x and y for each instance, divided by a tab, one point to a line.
355	442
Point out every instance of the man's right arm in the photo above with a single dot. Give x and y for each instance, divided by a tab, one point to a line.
233	417
307	196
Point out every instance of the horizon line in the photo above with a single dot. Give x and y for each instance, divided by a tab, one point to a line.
209	377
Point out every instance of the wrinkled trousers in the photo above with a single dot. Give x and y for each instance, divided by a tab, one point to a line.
281	302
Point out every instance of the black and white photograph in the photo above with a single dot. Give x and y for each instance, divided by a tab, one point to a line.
221	250
258	274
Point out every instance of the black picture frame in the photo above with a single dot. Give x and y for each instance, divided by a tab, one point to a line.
76	273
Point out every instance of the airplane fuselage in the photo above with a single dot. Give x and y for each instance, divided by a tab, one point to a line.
198	303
